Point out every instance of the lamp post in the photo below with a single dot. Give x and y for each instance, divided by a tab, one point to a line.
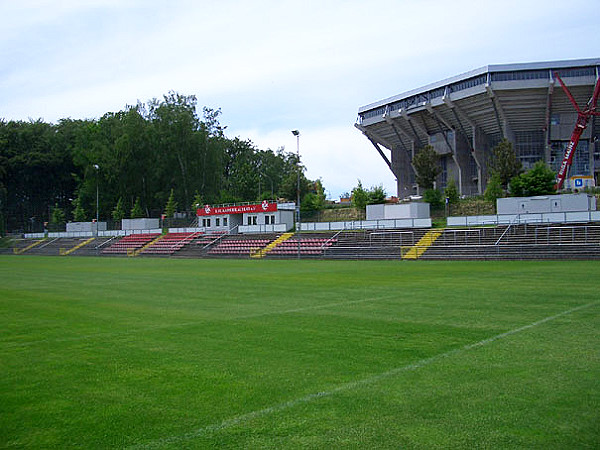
297	134
97	167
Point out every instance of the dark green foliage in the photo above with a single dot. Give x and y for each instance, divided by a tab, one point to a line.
494	190
427	167
360	197
434	198
57	217
171	206
142	152
119	212
315	199
451	192
79	214
539	180
198	201
137	212
504	164
377	195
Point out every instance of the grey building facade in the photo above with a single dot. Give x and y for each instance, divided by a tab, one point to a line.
466	116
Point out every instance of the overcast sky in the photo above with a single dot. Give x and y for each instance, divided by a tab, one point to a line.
272	66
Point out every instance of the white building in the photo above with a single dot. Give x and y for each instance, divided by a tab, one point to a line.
265	217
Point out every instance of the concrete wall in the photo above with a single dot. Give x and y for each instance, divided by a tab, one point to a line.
546	204
83	227
139	224
415	210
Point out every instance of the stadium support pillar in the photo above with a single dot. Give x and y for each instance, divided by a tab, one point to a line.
480	154
402	164
462	157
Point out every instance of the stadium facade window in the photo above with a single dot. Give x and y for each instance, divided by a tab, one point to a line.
473	168
206	223
224	221
530	147
577	72
581	157
444	174
218	222
468	83
521	75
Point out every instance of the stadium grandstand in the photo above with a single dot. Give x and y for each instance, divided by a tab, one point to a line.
464	117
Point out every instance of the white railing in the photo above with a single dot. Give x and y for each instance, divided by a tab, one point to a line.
507	219
381	224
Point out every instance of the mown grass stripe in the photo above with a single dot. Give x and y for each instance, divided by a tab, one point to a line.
349	386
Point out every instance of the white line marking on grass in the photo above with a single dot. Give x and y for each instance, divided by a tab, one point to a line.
347	386
196	322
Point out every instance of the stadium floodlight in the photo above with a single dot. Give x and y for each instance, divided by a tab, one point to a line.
97	167
297	134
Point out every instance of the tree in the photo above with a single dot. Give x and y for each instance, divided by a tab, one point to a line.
57	216
171	206
494	190
359	197
504	163
119	212
451	192
137	211
78	213
377	195
198	201
539	180
315	199
426	164
434	198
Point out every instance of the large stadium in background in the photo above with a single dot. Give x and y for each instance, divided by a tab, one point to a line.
466	116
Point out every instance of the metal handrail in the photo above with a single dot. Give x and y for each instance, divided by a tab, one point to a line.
518	216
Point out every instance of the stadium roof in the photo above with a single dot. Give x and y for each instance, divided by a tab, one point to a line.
497	99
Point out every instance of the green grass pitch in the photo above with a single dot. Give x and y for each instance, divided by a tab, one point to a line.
168	354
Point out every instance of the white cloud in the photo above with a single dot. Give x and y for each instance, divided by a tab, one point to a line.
339	155
270	65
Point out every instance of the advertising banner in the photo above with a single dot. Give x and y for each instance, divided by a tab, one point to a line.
263	207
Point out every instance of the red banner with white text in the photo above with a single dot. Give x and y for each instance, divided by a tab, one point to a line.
263	207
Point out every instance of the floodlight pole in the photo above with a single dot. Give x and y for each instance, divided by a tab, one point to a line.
297	134
97	167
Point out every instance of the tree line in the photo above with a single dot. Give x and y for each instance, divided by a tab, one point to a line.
135	161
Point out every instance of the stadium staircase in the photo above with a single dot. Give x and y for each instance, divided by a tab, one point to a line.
307	245
531	241
527	241
417	250
373	244
260	253
129	245
65	252
169	243
240	245
18	250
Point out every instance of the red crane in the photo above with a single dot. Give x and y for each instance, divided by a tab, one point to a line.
583	116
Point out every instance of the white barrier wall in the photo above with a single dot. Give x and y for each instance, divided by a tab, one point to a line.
140	224
417	210
366	225
82	227
546	204
506	219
